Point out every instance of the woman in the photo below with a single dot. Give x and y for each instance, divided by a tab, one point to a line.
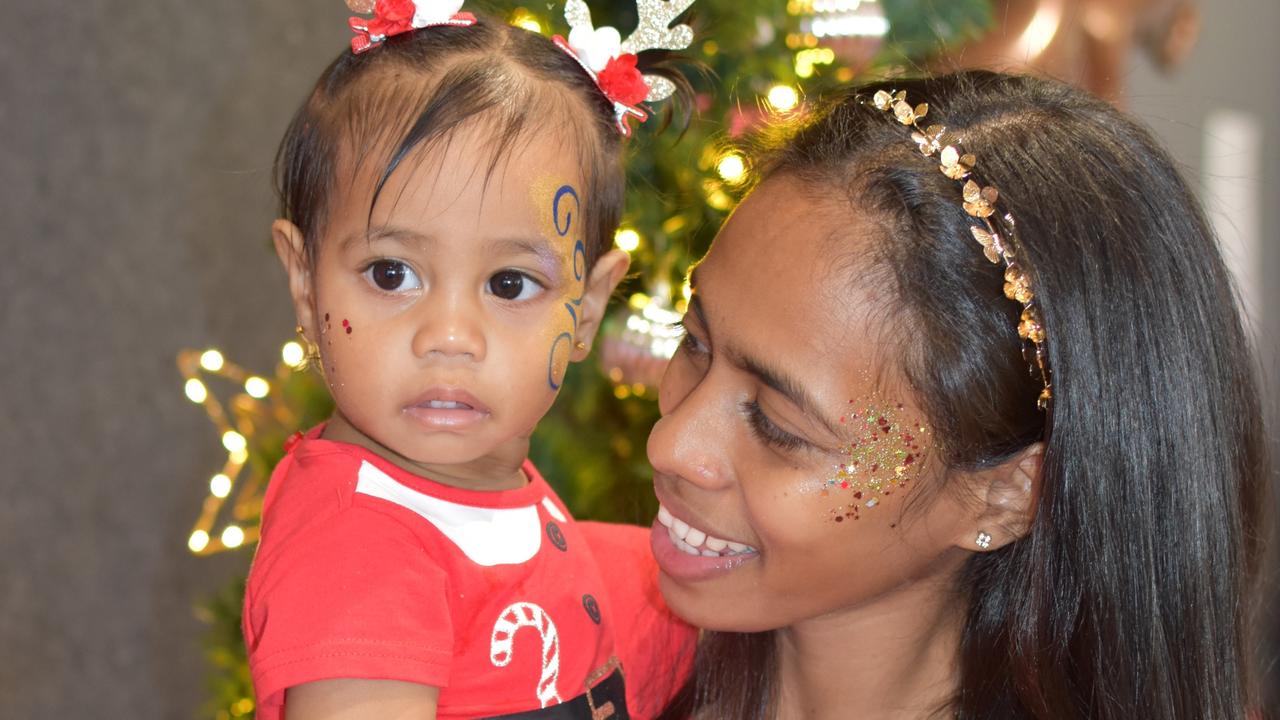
890	489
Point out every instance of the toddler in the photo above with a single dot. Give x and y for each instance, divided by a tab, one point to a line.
449	193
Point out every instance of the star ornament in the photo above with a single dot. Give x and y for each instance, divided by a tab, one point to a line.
252	420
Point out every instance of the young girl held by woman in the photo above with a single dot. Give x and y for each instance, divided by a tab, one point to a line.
449	195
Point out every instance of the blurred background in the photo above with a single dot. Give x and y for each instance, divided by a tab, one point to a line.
145	327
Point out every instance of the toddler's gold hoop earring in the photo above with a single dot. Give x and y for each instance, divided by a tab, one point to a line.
580	345
983	540
311	351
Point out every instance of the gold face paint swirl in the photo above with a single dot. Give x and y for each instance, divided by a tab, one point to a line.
885	452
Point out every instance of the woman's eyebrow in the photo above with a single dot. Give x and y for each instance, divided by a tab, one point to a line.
773	377
785	384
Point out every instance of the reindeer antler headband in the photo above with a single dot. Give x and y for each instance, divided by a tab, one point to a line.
611	61
606	57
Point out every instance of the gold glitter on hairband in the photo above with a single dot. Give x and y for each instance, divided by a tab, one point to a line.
980	203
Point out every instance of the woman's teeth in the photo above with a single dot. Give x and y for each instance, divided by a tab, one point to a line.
696	542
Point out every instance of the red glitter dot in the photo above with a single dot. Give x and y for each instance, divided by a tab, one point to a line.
839	518
348	329
345	323
858	495
908	459
844	484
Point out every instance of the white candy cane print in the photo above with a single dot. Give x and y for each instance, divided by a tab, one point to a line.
522	615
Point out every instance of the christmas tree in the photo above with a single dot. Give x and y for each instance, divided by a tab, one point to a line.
755	61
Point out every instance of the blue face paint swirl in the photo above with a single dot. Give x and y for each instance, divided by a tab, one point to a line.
579	272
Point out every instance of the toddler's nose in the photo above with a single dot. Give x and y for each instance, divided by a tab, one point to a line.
450	329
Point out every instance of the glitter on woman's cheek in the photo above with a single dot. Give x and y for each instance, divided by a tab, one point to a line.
886	452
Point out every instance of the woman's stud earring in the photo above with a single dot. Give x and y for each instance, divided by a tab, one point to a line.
983	541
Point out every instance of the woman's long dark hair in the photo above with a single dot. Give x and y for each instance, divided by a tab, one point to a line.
1130	596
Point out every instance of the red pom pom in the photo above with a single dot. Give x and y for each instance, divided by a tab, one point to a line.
622	82
392	17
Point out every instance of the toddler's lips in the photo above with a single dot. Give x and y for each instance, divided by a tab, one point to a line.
447	409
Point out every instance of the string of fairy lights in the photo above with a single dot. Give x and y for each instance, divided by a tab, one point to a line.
633	356
238	420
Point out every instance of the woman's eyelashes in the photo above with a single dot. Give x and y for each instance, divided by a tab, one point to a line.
688	341
767	431
392	276
764	429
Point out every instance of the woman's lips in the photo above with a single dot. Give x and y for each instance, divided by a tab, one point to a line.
685	552
680	565
447	409
694	541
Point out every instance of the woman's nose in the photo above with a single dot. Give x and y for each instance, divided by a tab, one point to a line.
692	440
449	326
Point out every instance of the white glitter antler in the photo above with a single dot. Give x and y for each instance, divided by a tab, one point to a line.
577	14
654	32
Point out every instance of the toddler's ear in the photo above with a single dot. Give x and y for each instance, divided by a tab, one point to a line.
291	249
605	276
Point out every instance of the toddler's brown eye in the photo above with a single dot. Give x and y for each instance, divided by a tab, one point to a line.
512	285
392	275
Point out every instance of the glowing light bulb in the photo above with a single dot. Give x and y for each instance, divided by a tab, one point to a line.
783	98
233	441
256	386
292	354
242	707
220	485
196	391
638	301
523	19
232	536
198	541
627	239
211	360
732	167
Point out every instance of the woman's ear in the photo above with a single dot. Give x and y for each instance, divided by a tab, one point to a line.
292	251
609	270
1006	498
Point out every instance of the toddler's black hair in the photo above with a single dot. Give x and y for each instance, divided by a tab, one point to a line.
418	88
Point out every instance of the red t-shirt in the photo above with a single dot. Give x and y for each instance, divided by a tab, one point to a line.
499	599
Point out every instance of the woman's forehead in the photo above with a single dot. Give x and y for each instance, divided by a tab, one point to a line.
791	278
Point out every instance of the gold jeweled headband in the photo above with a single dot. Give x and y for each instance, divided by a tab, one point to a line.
980	203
